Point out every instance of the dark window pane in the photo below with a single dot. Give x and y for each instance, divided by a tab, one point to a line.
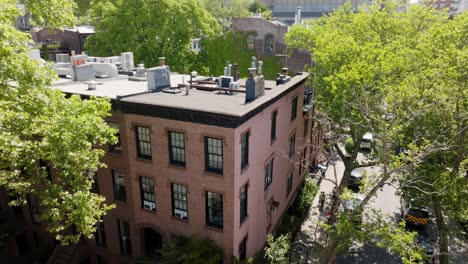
179	201
214	209
176	148
214	155
294	108
244	150
124	235
273	126
143	142
147	194
243	203
119	186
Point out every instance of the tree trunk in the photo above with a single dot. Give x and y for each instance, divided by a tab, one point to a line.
443	231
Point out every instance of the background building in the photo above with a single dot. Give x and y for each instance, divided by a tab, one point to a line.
285	10
266	38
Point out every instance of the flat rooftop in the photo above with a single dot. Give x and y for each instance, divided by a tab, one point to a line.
220	102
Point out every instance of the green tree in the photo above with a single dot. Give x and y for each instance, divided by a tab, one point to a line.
231	46
369	76
39	124
440	130
225	10
150	29
259	7
277	249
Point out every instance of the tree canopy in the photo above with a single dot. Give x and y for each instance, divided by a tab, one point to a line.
150	29
400	75
41	128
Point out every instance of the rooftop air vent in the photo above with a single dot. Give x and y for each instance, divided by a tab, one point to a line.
140	75
92	85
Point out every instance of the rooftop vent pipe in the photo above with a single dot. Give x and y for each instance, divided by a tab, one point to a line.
260	67
235	72
254	62
92	85
162	61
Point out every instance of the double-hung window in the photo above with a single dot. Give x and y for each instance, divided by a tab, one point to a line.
243	203
119	186
214	210
214	155
124	237
294	108
148	200
245	149
292	144
100	234
115	147
34	209
143	142
268	173
179	201
176	148
289	184
273	126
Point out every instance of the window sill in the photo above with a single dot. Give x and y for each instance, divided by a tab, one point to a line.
144	160
186	221
176	166
148	211
214	174
220	230
245	168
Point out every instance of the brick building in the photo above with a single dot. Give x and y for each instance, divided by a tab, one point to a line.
267	39
69	38
203	162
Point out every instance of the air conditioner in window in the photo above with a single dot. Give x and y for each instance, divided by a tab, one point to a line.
149	205
271	208
180	214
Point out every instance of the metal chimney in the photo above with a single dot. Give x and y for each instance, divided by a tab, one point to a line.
260	67
299	15
235	73
254	62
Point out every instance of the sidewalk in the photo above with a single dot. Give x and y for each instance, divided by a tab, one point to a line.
311	233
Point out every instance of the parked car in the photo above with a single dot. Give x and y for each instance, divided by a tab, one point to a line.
351	204
355	178
416	217
367	141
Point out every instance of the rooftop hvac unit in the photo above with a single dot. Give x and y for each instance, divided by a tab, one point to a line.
158	78
127	61
224	81
151	206
180	214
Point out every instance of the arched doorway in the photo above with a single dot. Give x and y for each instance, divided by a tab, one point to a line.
152	241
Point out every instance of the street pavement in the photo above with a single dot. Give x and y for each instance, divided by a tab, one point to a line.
386	200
